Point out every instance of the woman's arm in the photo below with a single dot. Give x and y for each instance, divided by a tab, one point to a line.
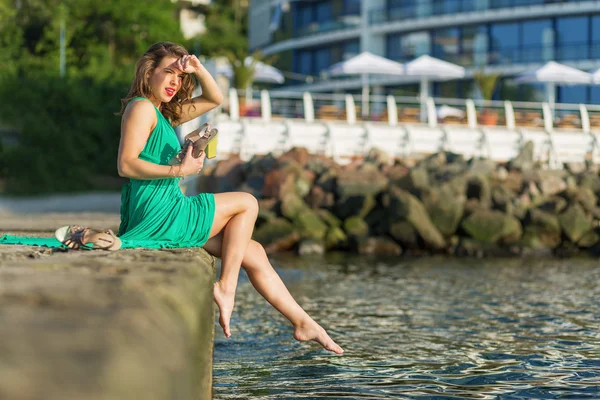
138	122
211	96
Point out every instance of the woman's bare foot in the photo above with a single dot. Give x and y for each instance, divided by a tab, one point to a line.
224	299
310	330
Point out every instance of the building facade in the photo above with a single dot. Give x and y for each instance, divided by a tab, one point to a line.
495	36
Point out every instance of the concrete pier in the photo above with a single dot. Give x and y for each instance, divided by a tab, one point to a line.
97	325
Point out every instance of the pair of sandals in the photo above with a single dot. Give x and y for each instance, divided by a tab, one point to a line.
79	237
199	140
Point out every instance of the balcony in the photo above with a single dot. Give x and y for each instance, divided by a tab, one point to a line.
424	9
342	23
521	55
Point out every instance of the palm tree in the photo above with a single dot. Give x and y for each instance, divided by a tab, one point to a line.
487	86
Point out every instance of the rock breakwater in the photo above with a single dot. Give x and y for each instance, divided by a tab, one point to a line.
443	203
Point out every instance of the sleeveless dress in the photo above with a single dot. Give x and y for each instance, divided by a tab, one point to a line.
154	213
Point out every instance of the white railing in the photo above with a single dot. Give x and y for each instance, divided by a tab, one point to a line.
332	124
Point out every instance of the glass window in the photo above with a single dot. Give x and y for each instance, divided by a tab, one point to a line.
304	62
595	94
407	47
322	60
304	15
324	12
351	7
446	7
537	40
504	43
350	49
394	50
572	94
572	38
446	44
474	46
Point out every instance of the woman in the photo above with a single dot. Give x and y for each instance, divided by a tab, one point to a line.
153	207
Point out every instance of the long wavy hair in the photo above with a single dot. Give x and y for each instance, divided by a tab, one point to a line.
145	66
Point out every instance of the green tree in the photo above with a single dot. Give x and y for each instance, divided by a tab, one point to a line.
224	34
104	38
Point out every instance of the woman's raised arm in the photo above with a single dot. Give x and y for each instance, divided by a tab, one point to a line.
139	119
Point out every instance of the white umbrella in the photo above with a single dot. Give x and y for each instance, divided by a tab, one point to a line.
262	72
365	64
447	111
553	73
596	76
432	69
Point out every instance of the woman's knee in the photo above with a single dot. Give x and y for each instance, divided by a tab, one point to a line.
250	202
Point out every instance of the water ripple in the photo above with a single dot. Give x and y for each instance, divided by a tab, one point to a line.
429	328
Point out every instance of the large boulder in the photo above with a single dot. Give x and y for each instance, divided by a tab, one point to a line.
512	230
502	199
482	166
514	181
261	164
542	230
355	205
310	225
524	160
289	177
554	205
575	222
299	155
404	206
589	239
552	184
319	164
378	157
379	221
445	210
405	234
366	180
310	247
469	247
478	188
254	185
585	197
292	205
228	175
329	218
319	198
415	181
491	226
395	172
328	180
379	246
591	181
276	235
356	228
335	238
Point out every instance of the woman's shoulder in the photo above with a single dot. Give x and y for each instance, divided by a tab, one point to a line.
138	107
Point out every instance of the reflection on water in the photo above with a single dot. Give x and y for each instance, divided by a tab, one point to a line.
426	328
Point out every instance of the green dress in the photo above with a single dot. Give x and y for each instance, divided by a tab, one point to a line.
155	213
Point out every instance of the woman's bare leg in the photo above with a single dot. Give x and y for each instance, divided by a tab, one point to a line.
268	283
235	215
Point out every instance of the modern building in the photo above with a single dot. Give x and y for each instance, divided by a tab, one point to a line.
191	16
494	36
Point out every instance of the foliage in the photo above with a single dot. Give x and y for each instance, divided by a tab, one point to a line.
486	83
224	34
68	136
67	129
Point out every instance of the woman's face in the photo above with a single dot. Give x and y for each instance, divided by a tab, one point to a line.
166	80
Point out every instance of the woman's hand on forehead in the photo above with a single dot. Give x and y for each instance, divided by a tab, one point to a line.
187	64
